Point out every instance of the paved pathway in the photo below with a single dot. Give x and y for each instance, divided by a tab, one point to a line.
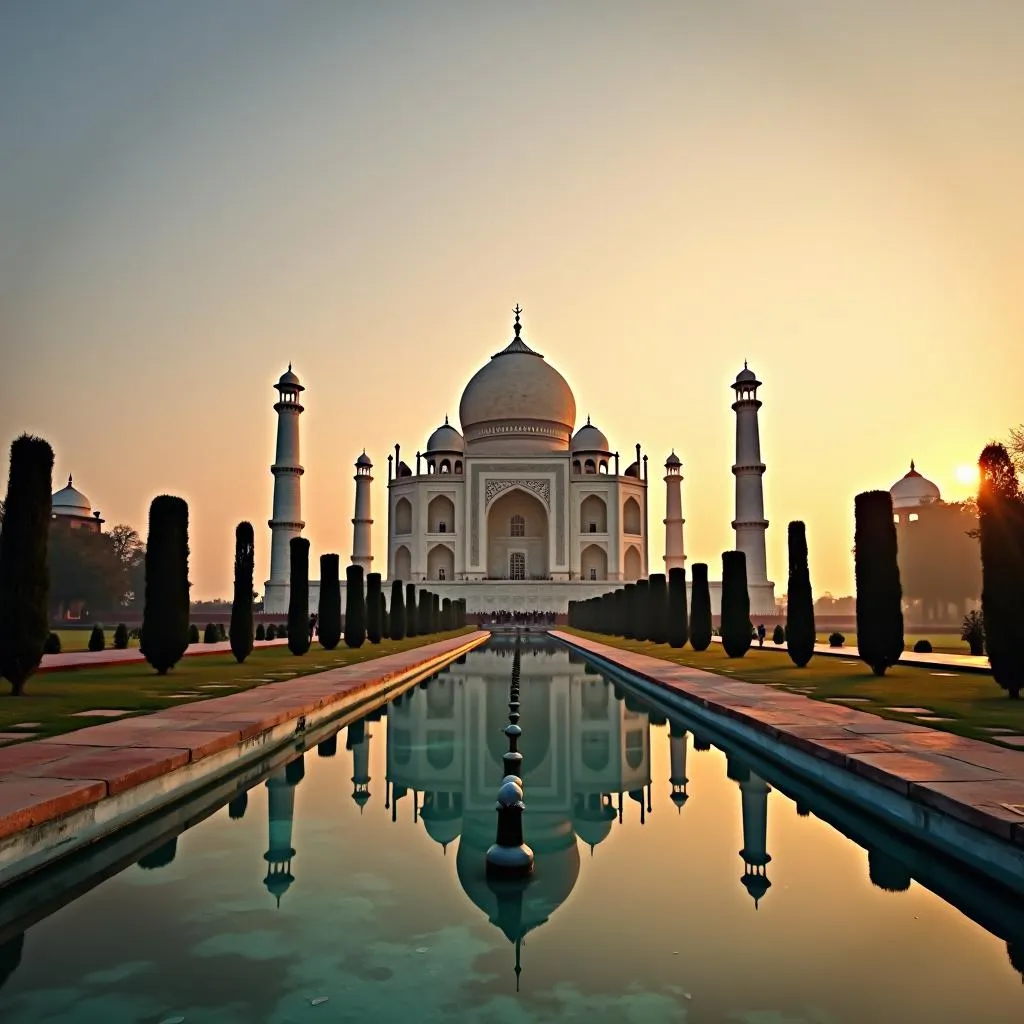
954	662
42	781
112	656
978	783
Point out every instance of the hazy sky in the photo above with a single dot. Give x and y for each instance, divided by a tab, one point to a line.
194	193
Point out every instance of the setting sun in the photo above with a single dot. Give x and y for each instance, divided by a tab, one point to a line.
967	475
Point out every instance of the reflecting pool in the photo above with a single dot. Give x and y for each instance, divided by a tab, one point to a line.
674	881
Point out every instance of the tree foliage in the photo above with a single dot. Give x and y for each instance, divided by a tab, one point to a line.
298	596
1001	522
164	633
879	594
700	608
329	611
678	623
241	631
736	625
800	634
355	607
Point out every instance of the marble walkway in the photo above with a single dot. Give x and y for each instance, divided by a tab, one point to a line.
974	782
47	782
112	656
953	662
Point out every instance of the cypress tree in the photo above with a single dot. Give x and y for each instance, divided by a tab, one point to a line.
374	628
800	635
628	610
700	608
424	604
241	630
298	596
435	613
355	607
121	637
24	563
678	626
879	594
328	616
447	622
736	627
164	633
641	610
385	631
1001	528
396	619
412	615
657	597
97	640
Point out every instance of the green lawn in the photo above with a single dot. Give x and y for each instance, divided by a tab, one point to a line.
51	698
971	701
78	639
942	643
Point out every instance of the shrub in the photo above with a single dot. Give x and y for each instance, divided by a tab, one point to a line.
657	608
973	631
923	647
800	634
1001	529
165	615
396	620
298	596
261	632
121	637
211	634
374	628
329	610
355	607
24	563
52	644
700	609
736	625
241	632
836	639
412	615
778	635
271	633
879	594
193	634
97	639
678	624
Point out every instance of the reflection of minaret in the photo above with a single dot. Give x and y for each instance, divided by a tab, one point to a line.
280	812
509	915
754	792
358	741
677	761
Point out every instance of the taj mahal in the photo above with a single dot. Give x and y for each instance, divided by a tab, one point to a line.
520	511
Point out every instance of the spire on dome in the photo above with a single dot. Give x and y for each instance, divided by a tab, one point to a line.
446	419
517	326
913	468
69	480
517	344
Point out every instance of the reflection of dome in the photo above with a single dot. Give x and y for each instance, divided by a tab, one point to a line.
589	439
912	490
445	439
518	396
443	827
70	502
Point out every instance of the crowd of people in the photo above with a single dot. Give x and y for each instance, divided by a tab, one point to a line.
506	618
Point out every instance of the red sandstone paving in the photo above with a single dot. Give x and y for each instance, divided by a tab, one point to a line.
119	768
199	743
978	803
27	802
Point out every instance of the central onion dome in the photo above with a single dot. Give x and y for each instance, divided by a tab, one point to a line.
913	490
69	501
517	402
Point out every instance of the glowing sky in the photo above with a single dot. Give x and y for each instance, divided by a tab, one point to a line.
193	194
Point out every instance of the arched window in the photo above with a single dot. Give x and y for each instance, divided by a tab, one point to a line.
589	467
458	467
446	466
576	466
431	467
517	566
603	468
517	527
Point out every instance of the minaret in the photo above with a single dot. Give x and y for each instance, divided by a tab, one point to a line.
674	557
754	796
280	812
677	763
362	522
750	523
287	518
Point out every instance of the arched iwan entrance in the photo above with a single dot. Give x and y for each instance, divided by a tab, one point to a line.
634	564
403	564
594	563
440	563
517	524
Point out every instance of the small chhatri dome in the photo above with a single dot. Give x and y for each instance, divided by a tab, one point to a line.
589	439
446	439
913	490
517	399
364	460
289	380
673	459
70	502
746	375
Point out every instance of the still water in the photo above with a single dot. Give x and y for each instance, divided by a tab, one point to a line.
349	885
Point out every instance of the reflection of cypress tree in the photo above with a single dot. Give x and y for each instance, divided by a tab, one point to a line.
161	856
735	769
887	873
700	608
10	957
295	771
236	809
1014	950
699	743
802	810
327	747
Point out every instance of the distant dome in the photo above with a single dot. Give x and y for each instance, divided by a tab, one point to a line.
289	380
589	439
746	375
445	439
673	460
518	397
364	460
913	490
70	502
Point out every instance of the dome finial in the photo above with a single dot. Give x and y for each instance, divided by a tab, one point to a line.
446	419
588	420
69	479
517	326
745	364
289	366
913	468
